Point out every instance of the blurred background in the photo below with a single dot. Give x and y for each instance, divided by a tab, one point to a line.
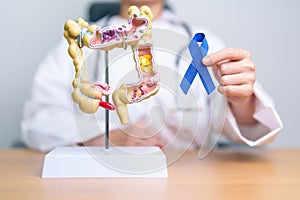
270	30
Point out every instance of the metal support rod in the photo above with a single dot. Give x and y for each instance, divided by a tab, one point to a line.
107	100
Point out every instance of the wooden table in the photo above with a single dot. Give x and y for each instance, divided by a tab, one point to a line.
224	174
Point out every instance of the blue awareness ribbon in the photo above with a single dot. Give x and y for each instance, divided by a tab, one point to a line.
196	67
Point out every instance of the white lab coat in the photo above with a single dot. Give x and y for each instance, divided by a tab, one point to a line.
51	118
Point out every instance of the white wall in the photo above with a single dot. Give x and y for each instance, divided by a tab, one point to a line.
270	30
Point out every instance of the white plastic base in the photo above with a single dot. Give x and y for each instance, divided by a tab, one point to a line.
81	162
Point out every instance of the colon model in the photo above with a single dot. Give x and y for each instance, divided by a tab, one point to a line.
137	34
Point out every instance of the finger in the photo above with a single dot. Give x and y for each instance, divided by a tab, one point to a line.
238	91
226	54
237	79
137	131
138	142
144	142
236	67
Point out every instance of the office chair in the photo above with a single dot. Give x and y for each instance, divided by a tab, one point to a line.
100	9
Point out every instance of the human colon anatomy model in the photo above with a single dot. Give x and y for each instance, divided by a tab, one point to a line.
137	34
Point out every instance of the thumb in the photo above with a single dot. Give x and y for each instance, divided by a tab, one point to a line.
207	60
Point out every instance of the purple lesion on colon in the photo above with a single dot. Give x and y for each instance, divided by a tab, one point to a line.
108	35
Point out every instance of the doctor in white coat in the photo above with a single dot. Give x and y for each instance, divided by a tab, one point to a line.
247	114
